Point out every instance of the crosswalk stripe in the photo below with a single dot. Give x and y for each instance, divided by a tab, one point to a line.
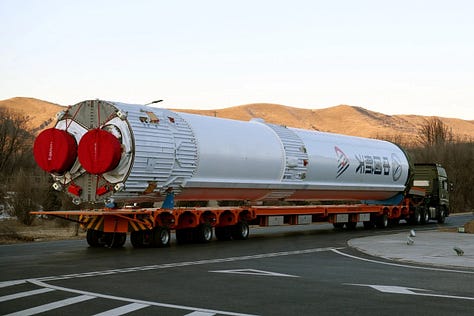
24	294
123	309
53	305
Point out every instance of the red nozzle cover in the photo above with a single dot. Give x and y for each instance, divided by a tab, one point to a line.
99	151
55	150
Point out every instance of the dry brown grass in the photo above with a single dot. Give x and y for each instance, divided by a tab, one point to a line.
12	231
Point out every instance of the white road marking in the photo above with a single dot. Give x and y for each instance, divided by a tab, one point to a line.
51	306
131	300
10	283
255	272
123	309
398	264
139	303
24	294
184	264
410	291
197	313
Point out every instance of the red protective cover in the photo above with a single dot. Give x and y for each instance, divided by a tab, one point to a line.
55	150
99	151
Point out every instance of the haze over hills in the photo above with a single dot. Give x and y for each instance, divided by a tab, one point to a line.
342	119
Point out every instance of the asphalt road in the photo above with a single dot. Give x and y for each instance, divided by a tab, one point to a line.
278	271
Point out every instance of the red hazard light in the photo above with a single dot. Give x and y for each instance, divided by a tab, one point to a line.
55	150
99	151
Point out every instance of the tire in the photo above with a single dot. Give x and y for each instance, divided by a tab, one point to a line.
351	225
115	240
93	238
382	221
203	233
223	233
425	217
136	239
442	216
240	231
141	238
161	237
338	225
416	219
185	235
369	225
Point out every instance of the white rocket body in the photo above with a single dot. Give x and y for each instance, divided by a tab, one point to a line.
207	158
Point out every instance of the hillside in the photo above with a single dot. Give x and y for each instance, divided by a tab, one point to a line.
41	113
342	119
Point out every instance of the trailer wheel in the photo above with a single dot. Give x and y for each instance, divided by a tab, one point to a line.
184	235
351	225
382	221
338	225
141	238
93	238
240	231
369	224
161	237
223	233
203	233
115	240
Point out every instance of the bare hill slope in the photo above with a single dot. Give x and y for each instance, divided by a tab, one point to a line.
342	119
40	113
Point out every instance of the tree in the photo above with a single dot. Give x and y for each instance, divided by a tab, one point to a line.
15	141
434	132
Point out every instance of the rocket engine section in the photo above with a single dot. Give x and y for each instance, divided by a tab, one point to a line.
101	149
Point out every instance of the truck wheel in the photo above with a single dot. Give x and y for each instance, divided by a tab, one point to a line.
441	216
416	219
382	221
240	231
223	233
203	233
425	217
93	238
161	237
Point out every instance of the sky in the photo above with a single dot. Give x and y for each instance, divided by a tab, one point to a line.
394	57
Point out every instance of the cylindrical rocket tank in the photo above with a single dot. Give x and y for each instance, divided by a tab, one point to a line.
101	149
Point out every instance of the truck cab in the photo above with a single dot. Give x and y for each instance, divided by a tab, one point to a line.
433	180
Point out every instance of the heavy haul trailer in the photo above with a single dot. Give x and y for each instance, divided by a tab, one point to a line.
109	152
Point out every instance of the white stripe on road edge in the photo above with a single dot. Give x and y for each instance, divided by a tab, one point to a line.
23	294
123	310
50	306
398	264
131	300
